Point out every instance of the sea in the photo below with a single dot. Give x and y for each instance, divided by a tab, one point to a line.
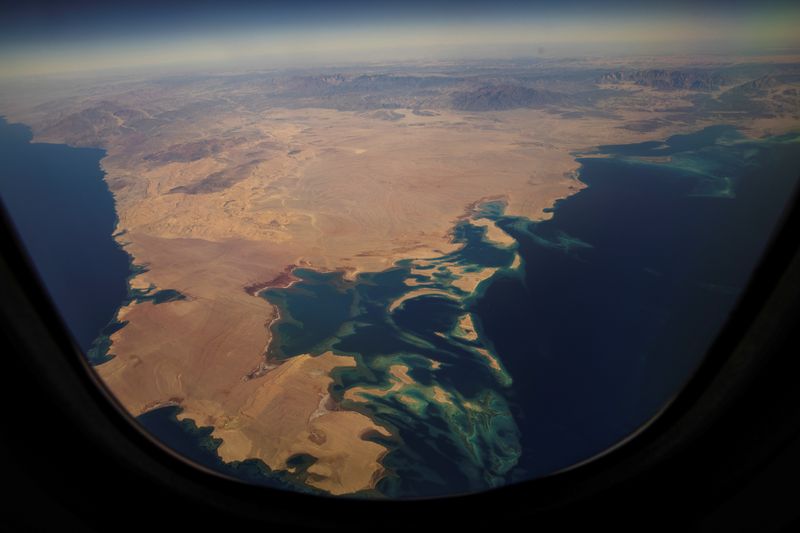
584	327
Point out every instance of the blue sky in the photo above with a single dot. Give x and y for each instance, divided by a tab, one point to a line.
40	36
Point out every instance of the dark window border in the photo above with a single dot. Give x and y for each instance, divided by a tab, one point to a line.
739	409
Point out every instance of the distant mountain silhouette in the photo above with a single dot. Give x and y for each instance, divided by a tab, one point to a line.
757	87
667	79
499	97
332	84
95	125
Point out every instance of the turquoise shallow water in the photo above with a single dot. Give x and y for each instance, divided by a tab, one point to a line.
582	327
594	319
454	414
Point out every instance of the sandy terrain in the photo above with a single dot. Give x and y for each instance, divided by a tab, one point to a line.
226	198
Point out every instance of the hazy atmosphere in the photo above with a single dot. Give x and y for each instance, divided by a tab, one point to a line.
47	38
406	250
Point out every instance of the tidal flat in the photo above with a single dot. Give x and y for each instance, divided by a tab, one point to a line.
566	327
312	278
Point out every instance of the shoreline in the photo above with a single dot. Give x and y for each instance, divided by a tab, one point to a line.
283	280
286	279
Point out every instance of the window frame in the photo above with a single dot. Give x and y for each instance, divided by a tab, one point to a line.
747	359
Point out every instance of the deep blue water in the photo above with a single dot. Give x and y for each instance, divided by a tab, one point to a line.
598	338
196	444
618	298
623	291
65	215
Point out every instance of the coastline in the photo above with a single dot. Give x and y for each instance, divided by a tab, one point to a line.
220	415
82	179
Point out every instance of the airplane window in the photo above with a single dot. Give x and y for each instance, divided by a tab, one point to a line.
399	252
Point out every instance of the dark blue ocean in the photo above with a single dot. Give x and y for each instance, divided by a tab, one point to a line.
620	295
598	338
65	215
